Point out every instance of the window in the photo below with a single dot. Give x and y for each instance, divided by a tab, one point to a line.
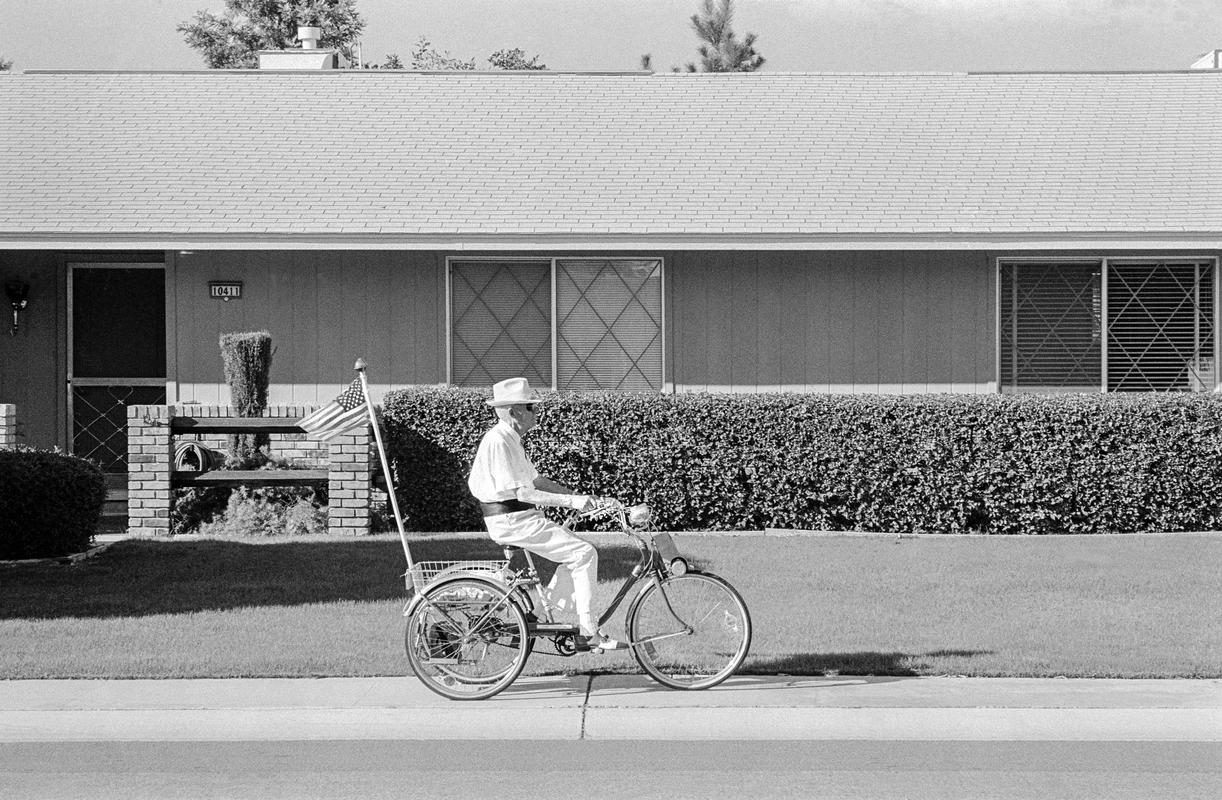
500	322
577	323
1160	326
1050	327
1119	325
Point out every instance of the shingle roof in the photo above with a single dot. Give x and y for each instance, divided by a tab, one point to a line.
384	155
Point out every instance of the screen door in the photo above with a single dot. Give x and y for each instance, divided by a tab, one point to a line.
116	358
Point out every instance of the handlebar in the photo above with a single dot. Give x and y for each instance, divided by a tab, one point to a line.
603	507
632	519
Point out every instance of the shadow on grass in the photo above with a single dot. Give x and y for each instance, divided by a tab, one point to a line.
862	663
139	578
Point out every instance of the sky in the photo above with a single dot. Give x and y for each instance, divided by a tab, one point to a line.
793	35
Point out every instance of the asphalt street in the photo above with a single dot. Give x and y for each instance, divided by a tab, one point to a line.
618	769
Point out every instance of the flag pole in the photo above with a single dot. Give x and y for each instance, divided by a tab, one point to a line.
390	484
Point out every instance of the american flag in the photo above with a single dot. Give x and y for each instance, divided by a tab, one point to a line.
342	414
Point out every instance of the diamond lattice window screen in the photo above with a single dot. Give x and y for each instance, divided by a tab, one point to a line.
99	421
1160	326
1051	327
609	324
501	322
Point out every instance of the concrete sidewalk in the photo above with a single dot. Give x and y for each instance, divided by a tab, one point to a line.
606	707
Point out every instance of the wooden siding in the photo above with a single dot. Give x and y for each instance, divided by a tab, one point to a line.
871	322
868	322
323	309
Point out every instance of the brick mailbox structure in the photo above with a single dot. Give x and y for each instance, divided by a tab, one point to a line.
8	426
343	463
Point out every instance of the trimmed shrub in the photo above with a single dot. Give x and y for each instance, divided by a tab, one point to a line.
926	463
194	507
431	438
247	358
267	511
49	503
212	510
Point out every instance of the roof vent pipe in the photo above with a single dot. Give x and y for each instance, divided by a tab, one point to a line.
309	36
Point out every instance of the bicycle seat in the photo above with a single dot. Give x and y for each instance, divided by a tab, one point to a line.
510	550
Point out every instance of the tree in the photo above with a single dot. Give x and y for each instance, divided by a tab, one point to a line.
427	57
392	62
514	59
721	51
232	41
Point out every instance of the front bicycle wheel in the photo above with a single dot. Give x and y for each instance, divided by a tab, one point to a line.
466	640
689	631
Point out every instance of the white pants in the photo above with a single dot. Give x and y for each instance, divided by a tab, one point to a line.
577	558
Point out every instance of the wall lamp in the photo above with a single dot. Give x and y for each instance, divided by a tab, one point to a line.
18	293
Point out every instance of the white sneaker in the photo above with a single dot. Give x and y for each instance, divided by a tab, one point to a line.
600	641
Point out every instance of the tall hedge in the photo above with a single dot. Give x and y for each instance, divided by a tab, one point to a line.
928	463
49	503
247	359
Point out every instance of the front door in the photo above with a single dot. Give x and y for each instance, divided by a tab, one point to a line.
116	358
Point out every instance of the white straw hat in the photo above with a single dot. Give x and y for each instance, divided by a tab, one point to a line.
513	392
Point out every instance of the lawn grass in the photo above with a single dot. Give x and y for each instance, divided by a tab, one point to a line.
1081	606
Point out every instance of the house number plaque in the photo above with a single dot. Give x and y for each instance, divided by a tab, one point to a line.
225	290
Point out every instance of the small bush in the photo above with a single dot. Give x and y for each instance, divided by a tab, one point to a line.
381	515
194	509
266	512
946	463
49	503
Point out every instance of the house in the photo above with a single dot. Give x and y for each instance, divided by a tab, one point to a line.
966	232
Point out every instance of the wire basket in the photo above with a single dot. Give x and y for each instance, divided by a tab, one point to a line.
425	573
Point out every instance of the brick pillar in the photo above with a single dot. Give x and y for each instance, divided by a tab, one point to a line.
8	426
348	483
150	456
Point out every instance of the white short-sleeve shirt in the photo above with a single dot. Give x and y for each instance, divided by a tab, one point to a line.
500	466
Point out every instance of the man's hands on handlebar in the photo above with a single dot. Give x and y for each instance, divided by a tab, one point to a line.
592	507
587	505
599	506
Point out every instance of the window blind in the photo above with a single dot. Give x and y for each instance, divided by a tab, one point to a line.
1157	317
1160	326
1050	327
